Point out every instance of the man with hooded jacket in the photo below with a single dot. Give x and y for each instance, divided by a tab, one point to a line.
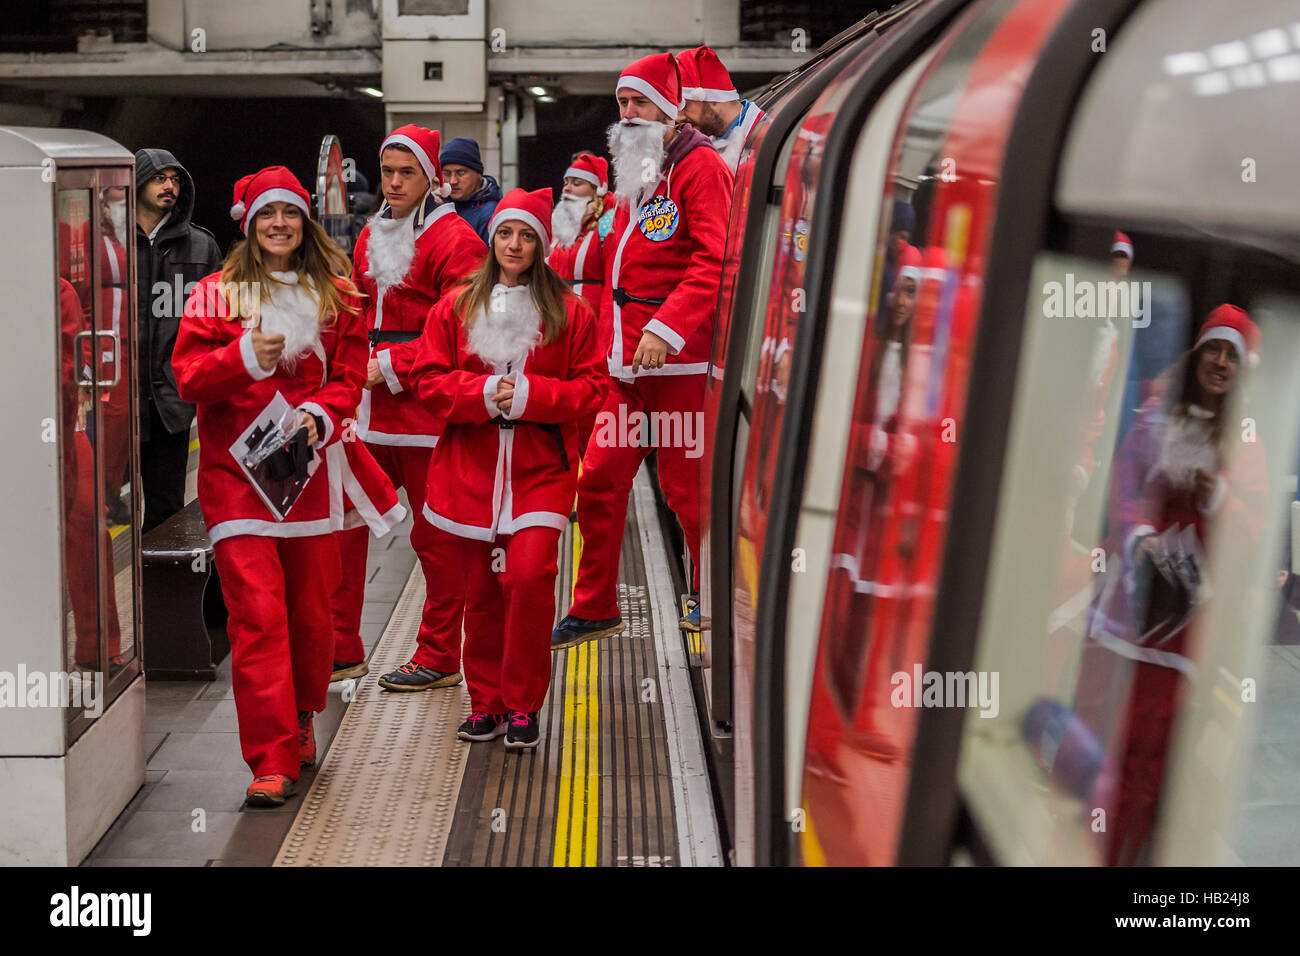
172	255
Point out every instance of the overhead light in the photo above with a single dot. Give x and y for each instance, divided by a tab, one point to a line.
372	91
537	90
546	99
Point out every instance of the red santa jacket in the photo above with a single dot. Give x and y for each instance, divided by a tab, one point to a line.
583	264
361	493
671	249
446	250
217	370
488	479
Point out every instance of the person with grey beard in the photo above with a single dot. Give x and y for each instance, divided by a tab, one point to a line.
661	289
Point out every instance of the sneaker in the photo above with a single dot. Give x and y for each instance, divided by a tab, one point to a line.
349	671
306	740
524	732
576	630
480	726
269	791
411	676
691	620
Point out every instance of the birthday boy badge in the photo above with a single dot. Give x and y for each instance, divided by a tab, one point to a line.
658	219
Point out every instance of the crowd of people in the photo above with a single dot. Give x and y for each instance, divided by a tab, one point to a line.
464	354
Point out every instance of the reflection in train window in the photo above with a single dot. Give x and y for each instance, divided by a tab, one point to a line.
1133	586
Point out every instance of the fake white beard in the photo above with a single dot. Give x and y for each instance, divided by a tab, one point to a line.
291	309
637	146
566	220
391	250
507	329
117	216
1185	447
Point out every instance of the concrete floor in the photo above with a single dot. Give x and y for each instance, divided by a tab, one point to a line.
190	810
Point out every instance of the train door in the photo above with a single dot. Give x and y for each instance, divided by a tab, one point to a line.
931	235
1140	608
771	346
728	398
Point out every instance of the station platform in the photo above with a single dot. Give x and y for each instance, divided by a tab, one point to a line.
620	777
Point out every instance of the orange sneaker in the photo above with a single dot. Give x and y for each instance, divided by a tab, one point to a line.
269	791
306	739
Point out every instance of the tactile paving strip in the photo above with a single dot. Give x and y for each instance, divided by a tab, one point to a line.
388	788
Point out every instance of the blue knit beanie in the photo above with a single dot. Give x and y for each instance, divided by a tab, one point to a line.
461	151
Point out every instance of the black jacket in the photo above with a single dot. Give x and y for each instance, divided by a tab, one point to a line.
178	249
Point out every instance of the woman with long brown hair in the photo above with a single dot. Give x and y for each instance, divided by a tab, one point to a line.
272	352
511	362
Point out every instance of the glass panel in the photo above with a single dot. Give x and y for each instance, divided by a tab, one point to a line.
81	629
111	423
1132	611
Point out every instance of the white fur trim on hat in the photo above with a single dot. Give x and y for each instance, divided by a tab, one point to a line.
586	174
701	95
909	272
1233	337
274	195
634	82
528	219
1124	247
401	139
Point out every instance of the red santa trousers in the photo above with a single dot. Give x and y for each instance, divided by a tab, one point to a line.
440	623
281	638
509	613
608	470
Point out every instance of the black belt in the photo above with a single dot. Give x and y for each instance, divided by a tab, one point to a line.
554	429
376	336
622	297
572	282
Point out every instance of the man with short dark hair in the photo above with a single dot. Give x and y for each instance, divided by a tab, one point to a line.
172	255
475	194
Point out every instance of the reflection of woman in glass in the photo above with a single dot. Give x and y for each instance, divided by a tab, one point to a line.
1171	485
274	339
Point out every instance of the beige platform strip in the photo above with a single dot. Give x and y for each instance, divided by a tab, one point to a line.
394	754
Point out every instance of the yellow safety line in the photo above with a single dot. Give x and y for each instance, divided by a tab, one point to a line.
577	831
194	444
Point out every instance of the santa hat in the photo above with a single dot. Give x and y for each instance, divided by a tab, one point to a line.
593	169
424	144
1122	244
656	77
1231	324
704	78
533	209
909	266
271	184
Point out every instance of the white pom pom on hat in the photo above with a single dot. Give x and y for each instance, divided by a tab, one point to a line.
443	191
237	211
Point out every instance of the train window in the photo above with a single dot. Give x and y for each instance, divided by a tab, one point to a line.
1132	596
909	401
1169	125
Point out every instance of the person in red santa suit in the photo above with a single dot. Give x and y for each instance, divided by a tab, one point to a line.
580	224
511	363
712	104
1184	483
274	340
661	290
114	405
411	253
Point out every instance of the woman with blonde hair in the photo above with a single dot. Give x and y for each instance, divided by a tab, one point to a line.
273	353
511	362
